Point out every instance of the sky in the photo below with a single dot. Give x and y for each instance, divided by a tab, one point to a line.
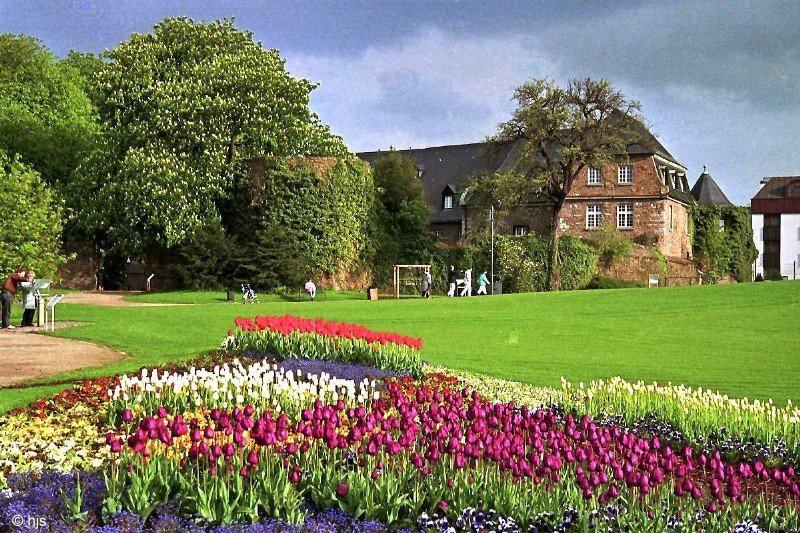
719	82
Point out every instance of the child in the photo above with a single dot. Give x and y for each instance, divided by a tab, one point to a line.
426	284
28	300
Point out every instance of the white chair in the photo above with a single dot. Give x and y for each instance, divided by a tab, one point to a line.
652	280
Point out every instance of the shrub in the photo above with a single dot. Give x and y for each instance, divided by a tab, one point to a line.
605	282
523	262
611	245
207	259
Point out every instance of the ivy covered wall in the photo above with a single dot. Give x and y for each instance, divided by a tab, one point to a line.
326	205
723	241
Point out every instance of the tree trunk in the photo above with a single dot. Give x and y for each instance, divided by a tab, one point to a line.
554	281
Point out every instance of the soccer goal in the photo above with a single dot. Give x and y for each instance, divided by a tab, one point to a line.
406	276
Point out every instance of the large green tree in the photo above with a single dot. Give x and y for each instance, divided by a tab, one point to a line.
561	131
45	115
30	235
180	108
403	216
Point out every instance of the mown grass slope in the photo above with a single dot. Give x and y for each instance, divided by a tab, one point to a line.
743	340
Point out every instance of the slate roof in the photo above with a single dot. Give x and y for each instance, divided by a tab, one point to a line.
454	166
776	187
650	145
684	196
707	192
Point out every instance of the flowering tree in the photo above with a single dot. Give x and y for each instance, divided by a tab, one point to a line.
180	107
563	130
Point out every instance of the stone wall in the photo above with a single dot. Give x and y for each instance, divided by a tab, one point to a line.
651	223
643	263
80	271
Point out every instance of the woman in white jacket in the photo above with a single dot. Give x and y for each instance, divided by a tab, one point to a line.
28	300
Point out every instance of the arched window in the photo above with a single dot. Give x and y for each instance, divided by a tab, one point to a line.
448	194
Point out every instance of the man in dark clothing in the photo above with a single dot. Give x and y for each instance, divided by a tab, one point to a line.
451	279
7	297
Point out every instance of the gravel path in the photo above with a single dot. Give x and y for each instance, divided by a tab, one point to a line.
107	298
25	356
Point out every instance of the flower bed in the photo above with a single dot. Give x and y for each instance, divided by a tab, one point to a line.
319	445
261	384
418	451
290	337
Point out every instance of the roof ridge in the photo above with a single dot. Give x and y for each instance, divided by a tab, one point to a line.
461	145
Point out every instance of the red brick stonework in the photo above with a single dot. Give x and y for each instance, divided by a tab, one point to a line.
651	222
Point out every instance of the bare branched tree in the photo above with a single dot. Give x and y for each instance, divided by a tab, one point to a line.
562	131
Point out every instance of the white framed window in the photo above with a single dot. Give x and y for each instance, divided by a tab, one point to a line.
625	174
722	224
520	231
671	219
625	216
447	203
595	176
594	216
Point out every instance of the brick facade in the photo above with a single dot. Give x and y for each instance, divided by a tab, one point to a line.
659	220
651	222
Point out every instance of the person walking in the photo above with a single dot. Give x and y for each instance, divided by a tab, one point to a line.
28	299
467	290
311	289
451	279
483	281
426	284
8	292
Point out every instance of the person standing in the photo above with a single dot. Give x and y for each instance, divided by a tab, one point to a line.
28	299
7	296
483	281
451	279
426	284
311	289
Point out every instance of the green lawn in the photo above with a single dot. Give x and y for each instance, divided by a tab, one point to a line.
741	339
219	297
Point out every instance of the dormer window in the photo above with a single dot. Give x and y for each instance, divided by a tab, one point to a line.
447	197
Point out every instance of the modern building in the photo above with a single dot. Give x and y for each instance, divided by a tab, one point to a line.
775	211
644	194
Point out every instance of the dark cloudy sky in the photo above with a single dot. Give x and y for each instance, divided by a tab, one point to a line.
719	81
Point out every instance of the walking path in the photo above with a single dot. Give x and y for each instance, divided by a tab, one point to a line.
107	298
26	356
